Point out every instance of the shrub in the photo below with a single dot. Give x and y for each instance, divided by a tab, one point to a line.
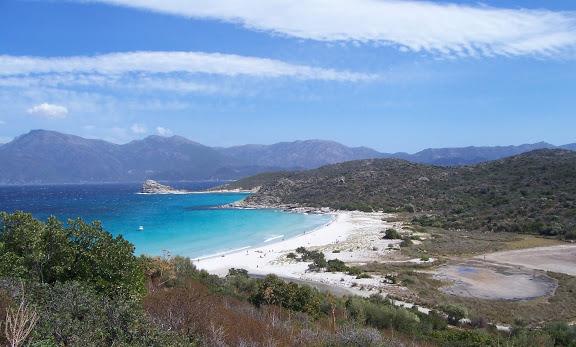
455	312
357	336
237	272
354	271
301	250
570	235
75	314
457	338
363	275
274	291
50	252
409	208
336	265
562	334
406	242
392	234
291	255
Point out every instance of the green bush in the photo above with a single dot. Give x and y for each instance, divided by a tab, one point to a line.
74	314
51	252
363	275
336	265
562	334
354	271
392	234
274	291
455	312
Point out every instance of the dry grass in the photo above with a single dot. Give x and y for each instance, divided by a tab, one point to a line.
450	244
559	307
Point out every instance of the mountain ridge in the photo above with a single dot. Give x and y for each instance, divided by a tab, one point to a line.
44	156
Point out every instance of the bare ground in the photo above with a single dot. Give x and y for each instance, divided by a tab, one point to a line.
560	259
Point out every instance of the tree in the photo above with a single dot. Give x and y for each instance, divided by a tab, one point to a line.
50	252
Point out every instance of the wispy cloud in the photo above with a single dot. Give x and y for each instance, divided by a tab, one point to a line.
162	131
170	62
138	129
48	111
443	29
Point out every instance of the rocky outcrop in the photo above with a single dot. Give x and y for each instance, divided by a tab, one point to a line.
153	187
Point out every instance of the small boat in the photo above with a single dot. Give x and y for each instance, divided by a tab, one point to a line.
141	228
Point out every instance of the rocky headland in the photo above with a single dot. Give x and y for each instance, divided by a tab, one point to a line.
153	187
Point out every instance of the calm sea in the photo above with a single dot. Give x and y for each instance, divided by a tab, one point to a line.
188	225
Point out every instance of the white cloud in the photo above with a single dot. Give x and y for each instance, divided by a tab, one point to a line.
164	131
443	29
48	111
111	65
4	139
138	129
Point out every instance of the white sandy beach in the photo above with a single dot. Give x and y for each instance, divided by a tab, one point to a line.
355	236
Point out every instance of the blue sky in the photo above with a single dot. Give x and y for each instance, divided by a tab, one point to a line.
389	74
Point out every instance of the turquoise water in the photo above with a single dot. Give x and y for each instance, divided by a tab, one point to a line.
188	225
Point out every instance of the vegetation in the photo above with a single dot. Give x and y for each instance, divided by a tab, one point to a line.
56	289
424	289
392	234
533	192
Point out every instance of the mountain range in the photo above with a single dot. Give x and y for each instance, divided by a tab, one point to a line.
42	156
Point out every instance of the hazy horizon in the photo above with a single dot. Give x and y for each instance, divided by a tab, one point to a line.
308	139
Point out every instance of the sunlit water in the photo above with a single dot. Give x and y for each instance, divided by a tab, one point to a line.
189	225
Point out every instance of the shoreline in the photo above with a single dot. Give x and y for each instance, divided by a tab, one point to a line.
270	242
353	237
184	192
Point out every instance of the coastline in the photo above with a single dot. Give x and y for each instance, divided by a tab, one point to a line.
351	236
183	192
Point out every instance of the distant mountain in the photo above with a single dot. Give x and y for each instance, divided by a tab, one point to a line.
50	157
469	155
46	156
298	154
170	158
42	156
530	192
571	146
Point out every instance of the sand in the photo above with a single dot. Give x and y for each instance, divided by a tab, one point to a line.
355	236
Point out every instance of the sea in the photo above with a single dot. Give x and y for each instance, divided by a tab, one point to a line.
192	225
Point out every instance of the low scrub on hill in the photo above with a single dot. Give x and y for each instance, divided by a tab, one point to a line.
76	285
529	193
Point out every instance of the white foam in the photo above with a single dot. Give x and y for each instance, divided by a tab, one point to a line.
273	238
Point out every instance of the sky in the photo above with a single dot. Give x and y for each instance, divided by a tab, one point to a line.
393	75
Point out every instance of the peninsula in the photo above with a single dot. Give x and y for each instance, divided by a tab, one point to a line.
153	187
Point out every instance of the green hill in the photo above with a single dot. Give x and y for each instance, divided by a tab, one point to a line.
531	192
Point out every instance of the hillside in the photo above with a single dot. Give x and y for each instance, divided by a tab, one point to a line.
532	192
